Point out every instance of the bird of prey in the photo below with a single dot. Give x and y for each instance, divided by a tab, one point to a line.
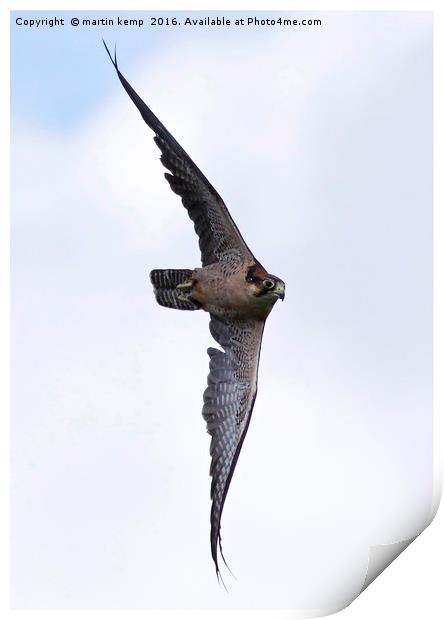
236	291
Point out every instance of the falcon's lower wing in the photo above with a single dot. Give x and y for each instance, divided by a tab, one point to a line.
228	403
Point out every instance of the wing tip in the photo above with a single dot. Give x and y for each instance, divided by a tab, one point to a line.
216	563
220	579
113	60
216	548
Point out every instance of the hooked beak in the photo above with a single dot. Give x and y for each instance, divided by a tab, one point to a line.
279	290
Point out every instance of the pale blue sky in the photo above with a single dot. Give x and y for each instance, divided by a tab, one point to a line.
80	59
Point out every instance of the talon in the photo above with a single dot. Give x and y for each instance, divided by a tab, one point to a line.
183	298
185	286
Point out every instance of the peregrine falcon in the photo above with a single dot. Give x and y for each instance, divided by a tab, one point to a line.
236	291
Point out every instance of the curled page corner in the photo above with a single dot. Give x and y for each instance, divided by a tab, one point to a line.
381	556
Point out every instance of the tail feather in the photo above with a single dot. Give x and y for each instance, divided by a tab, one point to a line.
169	278
167	295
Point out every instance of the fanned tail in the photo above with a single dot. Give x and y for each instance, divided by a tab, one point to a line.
166	291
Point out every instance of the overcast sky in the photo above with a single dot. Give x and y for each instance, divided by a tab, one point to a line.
320	142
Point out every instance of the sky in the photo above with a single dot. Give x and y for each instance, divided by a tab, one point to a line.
319	139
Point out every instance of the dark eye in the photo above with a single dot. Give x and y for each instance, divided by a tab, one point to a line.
268	284
250	279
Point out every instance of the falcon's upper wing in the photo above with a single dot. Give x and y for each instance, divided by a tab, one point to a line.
228	403
219	237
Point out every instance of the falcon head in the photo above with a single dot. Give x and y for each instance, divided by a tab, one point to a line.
263	286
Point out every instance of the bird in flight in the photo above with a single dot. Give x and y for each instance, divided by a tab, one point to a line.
236	291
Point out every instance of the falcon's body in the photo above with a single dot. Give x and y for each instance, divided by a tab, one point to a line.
227	294
237	292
